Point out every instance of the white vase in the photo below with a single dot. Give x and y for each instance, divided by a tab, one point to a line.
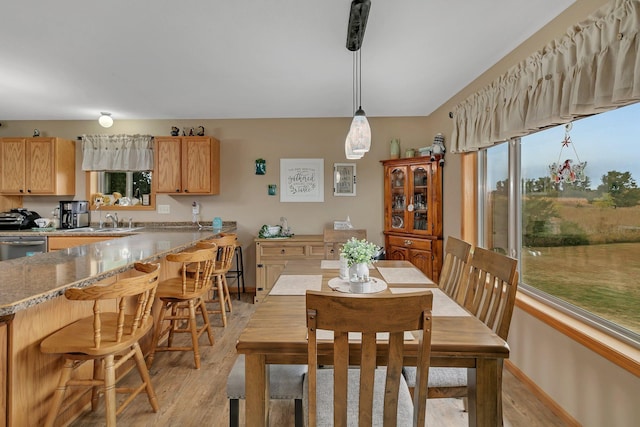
359	270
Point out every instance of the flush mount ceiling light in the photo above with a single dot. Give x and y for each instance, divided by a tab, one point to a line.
358	140
105	120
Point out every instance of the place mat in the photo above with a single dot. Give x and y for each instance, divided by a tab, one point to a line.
443	305
342	285
404	275
294	284
330	264
324	335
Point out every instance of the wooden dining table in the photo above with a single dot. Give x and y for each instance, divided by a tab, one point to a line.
277	334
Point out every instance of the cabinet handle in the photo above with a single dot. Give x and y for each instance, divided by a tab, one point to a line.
21	190
186	191
29	191
408	242
260	265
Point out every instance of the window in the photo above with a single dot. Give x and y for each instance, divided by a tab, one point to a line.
134	187
578	244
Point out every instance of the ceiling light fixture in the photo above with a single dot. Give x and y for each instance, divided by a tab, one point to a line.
358	140
105	120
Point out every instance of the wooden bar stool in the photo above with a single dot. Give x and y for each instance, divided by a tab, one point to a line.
226	248
181	297
109	339
237	273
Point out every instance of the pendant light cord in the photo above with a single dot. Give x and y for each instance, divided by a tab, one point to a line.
359	53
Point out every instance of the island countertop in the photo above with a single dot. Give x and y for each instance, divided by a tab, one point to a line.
28	281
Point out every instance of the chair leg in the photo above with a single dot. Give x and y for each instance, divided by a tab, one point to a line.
221	299
194	333
227	294
205	319
299	420
234	413
156	333
110	390
146	379
95	390
58	395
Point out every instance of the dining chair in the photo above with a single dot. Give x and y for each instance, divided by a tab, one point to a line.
488	291
109	338
181	298
285	382
343	395
456	257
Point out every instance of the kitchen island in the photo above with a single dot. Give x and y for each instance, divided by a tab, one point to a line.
32	306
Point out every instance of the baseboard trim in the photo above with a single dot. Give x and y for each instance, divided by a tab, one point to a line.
540	394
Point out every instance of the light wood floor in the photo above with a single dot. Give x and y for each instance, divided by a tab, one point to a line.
190	397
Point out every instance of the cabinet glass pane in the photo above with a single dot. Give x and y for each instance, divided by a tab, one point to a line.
398	198
420	200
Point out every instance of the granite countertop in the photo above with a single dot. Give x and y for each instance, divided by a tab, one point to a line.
28	281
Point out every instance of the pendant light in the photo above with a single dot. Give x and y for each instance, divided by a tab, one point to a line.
358	141
105	120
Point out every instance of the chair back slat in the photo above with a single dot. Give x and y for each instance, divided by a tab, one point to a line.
140	289
369	315
490	284
196	268
456	257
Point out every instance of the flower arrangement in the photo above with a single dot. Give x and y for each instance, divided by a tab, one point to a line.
358	251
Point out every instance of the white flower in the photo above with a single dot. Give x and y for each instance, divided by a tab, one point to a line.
359	251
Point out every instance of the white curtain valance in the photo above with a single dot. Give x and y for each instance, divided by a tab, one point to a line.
594	67
117	152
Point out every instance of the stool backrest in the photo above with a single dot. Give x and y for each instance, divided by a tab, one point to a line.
196	268
226	249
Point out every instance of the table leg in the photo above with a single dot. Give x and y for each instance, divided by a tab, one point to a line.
257	389
484	394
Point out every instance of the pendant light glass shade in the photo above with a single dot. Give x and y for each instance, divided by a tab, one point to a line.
360	133
348	150
105	120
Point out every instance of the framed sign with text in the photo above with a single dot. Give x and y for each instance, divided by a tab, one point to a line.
302	180
344	179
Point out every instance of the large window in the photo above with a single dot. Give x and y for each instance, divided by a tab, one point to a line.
578	241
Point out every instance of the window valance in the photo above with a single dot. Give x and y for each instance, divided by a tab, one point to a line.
117	152
594	67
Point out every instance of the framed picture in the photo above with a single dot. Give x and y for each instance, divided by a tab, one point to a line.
344	179
302	180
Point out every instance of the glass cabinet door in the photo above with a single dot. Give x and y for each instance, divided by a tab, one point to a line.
419	207
398	185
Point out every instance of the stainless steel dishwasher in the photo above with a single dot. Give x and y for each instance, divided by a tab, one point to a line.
19	246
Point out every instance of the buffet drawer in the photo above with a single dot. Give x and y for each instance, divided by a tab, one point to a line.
410	242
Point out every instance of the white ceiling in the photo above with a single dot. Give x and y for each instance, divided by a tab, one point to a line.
164	59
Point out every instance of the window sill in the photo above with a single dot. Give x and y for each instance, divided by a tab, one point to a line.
612	349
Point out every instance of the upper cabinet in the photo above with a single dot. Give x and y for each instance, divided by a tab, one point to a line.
37	166
413	212
187	165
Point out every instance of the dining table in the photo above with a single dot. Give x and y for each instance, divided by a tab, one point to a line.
276	333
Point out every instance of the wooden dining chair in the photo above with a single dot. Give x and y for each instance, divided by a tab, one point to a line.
488	291
181	298
341	395
456	257
109	338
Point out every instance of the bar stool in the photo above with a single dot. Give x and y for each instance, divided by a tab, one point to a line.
238	272
109	338
181	297
226	248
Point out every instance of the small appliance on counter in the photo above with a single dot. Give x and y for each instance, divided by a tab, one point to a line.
74	214
18	219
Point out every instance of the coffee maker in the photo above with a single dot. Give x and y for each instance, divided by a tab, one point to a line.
74	214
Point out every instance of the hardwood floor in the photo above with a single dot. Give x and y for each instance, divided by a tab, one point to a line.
190	397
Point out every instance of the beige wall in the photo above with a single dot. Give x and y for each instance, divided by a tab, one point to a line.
243	196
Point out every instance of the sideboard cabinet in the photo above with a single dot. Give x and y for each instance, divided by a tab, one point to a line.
413	212
272	256
37	166
187	165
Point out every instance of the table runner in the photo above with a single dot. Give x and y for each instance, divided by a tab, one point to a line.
330	264
443	305
295	284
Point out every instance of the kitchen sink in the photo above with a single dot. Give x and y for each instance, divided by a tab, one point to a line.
102	230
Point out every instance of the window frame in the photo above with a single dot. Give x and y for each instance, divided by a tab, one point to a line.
92	186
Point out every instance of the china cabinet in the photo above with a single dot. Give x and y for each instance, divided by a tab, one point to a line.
37	166
187	165
413	212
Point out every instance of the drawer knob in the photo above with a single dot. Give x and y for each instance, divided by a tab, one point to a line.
282	251
408	242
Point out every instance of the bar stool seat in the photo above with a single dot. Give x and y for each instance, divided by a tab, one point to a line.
286	382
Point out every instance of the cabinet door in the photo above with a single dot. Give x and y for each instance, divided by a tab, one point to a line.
167	165
267	272
420	218
398	253
40	165
422	259
196	165
12	163
396	198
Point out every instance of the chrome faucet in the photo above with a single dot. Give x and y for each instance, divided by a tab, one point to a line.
113	218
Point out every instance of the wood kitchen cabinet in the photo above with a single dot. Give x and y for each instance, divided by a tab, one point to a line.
187	165
272	256
413	212
37	166
55	243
